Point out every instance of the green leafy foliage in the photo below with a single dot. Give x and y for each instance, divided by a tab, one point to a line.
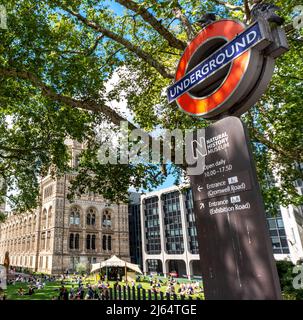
56	59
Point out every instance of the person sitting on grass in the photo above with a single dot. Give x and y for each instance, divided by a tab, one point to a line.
105	293
61	293
72	293
81	292
96	293
155	289
167	290
190	289
90	293
65	294
38	284
31	290
20	292
182	289
100	285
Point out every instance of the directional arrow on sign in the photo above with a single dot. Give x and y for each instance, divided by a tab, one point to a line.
202	205
200	188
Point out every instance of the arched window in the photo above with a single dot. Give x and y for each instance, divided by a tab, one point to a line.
43	218
109	221
91	217
88	242
77	241
93	246
71	241
91	242
29	226
109	243
104	243
49	219
77	217
88	219
71	218
106	219
74	218
34	224
74	240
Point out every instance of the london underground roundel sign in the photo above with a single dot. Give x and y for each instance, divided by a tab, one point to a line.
225	68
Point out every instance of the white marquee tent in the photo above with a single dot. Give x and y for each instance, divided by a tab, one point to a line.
114	261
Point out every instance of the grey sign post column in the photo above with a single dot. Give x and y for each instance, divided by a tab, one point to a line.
236	254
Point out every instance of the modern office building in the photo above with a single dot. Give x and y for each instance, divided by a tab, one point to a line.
134	221
169	234
292	219
61	234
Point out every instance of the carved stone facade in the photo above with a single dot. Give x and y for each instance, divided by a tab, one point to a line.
60	234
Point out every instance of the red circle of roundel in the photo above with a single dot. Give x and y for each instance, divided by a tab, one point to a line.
200	106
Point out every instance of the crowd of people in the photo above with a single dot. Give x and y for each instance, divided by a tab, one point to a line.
38	281
34	283
81	287
184	289
81	292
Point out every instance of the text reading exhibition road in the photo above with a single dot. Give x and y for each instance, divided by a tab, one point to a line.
219	79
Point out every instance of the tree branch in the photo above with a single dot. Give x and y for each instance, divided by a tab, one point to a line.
262	139
49	92
131	47
93	106
86	52
185	22
156	24
247	10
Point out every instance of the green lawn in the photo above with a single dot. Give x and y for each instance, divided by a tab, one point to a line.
43	294
52	289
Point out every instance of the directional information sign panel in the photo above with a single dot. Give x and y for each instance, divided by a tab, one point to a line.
235	249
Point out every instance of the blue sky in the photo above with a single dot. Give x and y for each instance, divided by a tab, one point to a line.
168	183
116	7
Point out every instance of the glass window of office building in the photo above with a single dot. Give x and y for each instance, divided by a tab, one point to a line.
173	223
152	226
154	265
191	222
277	234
